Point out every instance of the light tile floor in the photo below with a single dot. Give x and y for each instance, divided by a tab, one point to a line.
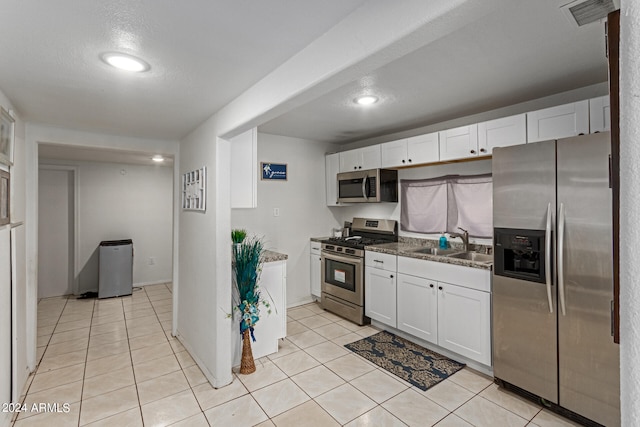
116	364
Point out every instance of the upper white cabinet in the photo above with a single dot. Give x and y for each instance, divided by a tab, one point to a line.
394	154
599	114
502	133
332	167
459	143
360	159
244	170
410	151
558	122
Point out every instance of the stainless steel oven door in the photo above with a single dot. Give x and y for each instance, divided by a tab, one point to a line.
342	277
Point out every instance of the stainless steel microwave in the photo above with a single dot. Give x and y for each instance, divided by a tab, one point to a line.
368	186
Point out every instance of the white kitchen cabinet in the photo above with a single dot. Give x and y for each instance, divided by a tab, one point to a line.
453	316
315	266
244	169
360	159
502	132
599	114
459	143
562	121
464	324
331	169
393	153
380	287
416	150
417	307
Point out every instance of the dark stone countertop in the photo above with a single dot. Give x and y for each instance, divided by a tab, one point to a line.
407	246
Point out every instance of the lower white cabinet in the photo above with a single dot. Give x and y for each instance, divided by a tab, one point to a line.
315	265
380	287
418	307
380	295
453	316
464	321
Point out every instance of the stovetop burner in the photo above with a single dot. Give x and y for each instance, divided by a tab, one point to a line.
356	241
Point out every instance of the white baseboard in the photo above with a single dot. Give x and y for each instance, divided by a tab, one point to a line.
159	282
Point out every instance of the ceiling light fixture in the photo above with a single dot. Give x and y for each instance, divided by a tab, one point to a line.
157	158
366	100
122	61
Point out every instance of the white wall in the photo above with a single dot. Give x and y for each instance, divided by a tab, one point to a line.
120	201
56	232
204	290
301	202
18	302
629	212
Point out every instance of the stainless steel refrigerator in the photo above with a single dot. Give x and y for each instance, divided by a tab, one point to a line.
553	279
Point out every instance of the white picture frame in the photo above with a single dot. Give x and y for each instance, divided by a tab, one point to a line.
194	192
7	137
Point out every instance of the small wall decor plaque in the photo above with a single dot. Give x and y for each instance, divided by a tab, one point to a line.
274	171
194	192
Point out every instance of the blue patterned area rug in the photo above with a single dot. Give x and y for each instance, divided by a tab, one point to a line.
421	367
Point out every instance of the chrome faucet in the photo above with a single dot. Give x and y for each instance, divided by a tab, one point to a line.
464	236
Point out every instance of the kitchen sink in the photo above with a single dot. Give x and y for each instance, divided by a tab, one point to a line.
472	256
436	251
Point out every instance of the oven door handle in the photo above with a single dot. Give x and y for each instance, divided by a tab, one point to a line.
345	259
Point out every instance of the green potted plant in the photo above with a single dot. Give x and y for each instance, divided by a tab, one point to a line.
247	265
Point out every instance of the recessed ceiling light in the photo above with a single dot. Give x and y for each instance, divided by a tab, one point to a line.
157	158
366	100
125	62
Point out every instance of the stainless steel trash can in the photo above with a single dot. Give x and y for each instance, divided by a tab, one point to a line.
115	277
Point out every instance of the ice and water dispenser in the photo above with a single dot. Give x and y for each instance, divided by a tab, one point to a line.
519	254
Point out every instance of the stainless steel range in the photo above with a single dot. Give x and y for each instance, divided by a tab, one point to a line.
343	266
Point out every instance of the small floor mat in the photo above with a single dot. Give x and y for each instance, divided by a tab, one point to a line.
421	367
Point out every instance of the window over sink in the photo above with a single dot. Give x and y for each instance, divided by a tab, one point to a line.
445	203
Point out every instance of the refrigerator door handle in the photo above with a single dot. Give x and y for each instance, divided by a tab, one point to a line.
547	243
561	218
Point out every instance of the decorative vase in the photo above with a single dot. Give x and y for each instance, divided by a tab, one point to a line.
247	365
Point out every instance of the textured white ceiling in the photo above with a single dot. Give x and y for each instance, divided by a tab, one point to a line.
524	51
203	53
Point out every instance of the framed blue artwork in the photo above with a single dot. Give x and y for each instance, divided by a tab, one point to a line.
274	171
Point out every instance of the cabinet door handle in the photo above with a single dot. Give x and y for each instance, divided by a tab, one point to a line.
409	160
482	150
431	285
473	151
391	276
440	287
377	260
402	160
355	167
359	167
